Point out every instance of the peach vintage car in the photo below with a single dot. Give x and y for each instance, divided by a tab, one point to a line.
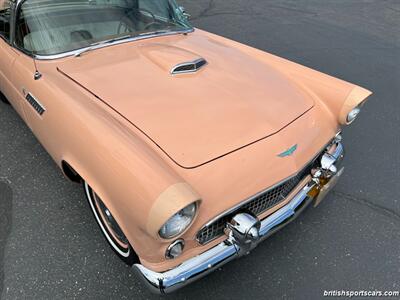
191	148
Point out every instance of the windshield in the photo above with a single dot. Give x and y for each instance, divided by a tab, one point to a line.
49	27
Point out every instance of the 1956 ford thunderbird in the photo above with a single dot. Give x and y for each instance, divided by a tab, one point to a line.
191	148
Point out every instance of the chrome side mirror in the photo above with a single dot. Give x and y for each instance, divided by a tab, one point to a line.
185	14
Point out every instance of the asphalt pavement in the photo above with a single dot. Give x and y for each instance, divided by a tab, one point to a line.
51	248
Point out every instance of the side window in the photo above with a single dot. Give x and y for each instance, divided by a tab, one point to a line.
22	32
156	7
5	19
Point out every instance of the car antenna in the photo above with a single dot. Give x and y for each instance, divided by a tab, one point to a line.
37	74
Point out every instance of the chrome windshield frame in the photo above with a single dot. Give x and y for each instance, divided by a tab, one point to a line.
75	52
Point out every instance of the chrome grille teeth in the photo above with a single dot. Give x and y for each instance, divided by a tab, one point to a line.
256	206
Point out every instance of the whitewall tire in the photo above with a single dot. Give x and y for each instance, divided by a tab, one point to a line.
109	227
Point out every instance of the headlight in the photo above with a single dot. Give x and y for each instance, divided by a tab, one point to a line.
178	222
352	105
352	115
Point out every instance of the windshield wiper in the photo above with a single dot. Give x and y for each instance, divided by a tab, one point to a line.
99	44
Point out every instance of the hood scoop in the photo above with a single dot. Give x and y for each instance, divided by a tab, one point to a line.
172	59
189	67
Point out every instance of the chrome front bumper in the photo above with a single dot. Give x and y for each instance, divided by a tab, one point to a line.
244	233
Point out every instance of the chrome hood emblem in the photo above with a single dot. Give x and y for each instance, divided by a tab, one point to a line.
288	152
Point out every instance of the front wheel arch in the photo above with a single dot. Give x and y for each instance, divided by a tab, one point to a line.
3	98
129	256
70	172
74	176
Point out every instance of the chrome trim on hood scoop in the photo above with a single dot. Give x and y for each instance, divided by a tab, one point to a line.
189	67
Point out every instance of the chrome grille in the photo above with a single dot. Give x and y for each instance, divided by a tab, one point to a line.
256	206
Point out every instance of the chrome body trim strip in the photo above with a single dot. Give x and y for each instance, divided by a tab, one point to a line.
100	46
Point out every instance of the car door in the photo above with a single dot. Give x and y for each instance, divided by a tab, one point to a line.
8	56
30	90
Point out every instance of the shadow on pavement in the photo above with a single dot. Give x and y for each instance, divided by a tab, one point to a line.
5	224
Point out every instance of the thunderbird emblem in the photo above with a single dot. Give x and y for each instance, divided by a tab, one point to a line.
289	151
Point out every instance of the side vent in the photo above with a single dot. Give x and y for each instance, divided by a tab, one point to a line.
189	67
35	104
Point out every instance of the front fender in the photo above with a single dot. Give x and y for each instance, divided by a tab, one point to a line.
337	95
128	173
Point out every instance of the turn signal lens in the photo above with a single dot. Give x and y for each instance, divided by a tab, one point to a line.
175	249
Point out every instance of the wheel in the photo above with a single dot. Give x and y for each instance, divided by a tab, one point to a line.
110	228
3	98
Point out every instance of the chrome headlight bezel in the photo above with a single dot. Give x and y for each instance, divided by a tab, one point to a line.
355	100
353	114
179	222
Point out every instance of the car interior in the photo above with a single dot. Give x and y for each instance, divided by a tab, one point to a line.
4	19
55	29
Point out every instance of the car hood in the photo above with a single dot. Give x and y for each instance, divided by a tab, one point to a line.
233	101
